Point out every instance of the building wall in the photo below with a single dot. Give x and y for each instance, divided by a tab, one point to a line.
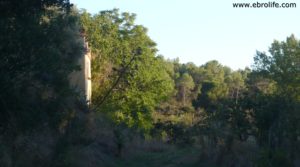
81	80
88	77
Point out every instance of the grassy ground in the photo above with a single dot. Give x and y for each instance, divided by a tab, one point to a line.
173	157
169	158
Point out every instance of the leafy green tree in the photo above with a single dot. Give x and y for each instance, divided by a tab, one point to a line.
214	73
185	84
35	62
40	42
213	86
282	65
281	68
129	80
236	84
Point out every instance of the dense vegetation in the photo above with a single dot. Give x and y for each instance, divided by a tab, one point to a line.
146	110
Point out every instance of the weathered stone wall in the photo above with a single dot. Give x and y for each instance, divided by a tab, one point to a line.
81	80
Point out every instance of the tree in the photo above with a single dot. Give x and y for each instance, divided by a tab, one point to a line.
185	84
282	65
35	62
213	86
235	83
281	69
39	43
129	80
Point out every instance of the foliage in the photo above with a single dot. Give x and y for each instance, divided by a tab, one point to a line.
276	113
125	64
142	103
185	84
35	62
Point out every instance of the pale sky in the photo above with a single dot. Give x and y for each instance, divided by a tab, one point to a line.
198	31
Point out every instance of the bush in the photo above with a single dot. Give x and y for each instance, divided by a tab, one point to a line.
273	158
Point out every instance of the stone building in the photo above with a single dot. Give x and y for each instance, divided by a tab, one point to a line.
81	80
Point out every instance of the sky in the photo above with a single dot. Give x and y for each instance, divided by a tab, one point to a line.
199	31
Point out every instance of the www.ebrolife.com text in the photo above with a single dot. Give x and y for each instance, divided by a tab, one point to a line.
264	5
